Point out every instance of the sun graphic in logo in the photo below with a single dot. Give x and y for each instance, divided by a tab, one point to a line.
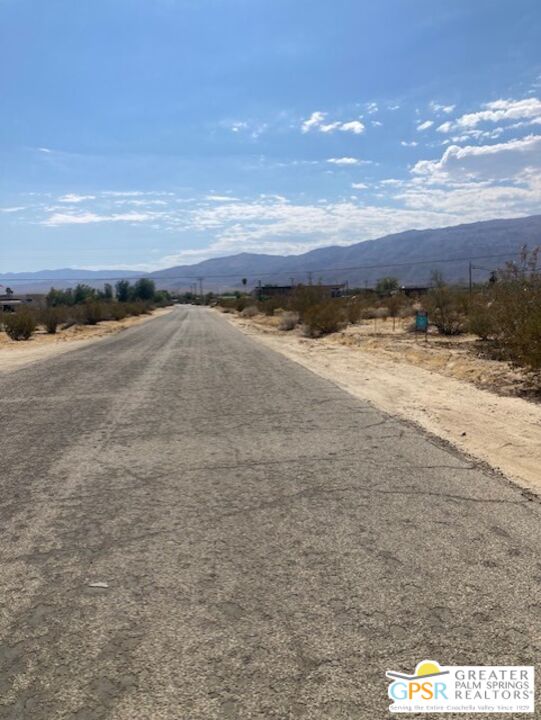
424	669
427	667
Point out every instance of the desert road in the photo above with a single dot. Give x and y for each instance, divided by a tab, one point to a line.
194	527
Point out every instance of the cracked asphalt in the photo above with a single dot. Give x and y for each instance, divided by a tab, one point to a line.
269	544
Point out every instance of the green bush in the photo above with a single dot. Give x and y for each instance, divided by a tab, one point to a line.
447	309
243	302
306	297
118	311
517	312
323	318
481	320
91	313
386	285
19	325
270	305
50	318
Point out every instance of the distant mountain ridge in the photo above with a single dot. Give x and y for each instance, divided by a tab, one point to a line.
410	256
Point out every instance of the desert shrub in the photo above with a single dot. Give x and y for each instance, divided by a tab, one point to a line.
516	310
394	304
324	318
91	313
353	310
369	313
481	321
50	318
270	305
228	304
406	311
250	311
71	320
447	309
118	311
243	302
19	325
305	297
289	320
386	285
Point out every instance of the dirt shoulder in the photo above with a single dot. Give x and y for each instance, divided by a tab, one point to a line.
16	354
503	431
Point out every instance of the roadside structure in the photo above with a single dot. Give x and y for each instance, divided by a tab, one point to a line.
268	291
10	302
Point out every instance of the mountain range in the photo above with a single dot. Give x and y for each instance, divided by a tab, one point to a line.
410	256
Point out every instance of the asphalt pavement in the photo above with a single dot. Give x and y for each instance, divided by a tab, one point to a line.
194	528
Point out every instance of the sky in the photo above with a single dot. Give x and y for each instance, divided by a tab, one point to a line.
142	134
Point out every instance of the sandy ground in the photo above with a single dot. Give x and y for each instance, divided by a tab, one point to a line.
503	431
16	354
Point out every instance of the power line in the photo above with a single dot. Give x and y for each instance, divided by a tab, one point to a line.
149	276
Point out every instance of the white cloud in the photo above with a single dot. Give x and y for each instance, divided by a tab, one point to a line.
73	198
425	125
316	121
12	209
344	161
376	123
237	126
445	127
329	127
372	108
499	161
44	150
140	203
277	227
447	109
503	110
359	186
412	143
221	198
523	112
85	218
270	227
354	126
123	193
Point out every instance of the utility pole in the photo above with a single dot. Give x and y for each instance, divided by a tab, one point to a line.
292	281
470	284
200	287
309	277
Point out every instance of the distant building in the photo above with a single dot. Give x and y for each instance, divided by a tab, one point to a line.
268	291
10	302
414	290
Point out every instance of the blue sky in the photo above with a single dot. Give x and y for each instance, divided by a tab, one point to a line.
147	133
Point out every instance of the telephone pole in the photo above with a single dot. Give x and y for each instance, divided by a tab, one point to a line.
200	287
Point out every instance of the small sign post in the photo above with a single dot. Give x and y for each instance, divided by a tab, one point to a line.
421	323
